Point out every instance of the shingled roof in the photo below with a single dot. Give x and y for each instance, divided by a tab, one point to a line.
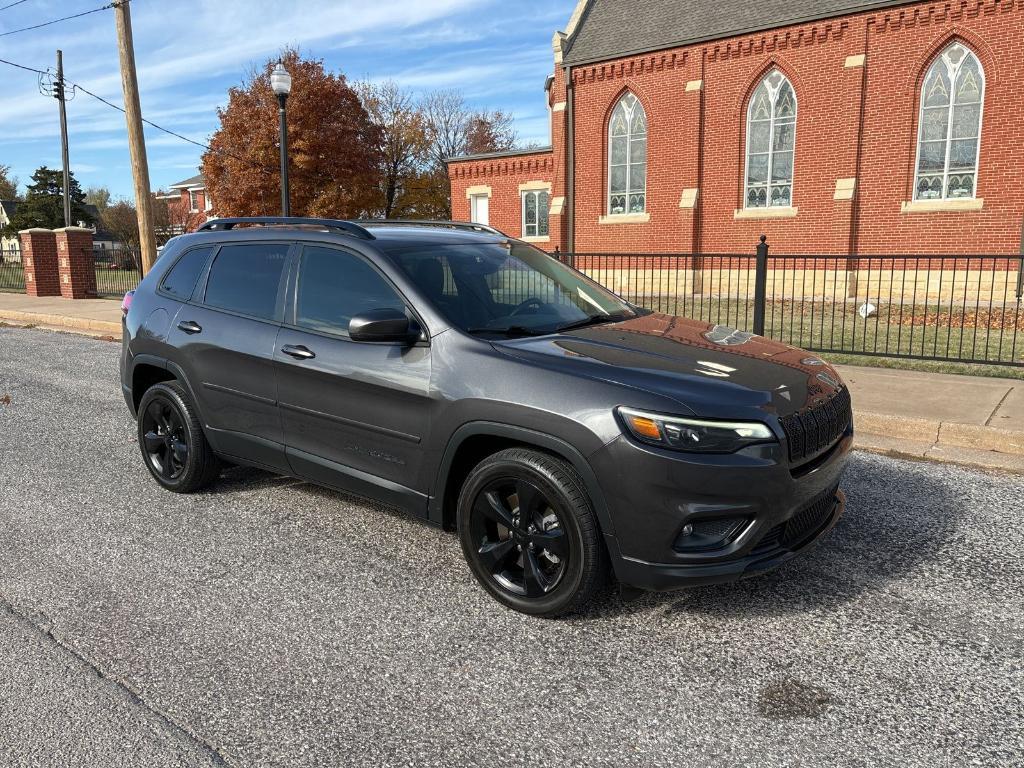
610	29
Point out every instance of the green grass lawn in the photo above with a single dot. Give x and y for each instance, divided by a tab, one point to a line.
115	283
844	337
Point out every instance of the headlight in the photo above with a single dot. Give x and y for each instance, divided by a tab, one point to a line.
694	435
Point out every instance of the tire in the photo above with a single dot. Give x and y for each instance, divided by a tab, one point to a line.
554	568
172	442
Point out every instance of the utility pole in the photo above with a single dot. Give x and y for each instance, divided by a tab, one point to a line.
136	137
60	95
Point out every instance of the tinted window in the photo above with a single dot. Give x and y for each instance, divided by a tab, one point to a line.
181	279
246	278
498	286
334	286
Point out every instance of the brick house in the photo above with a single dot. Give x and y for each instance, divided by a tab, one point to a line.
192	194
834	127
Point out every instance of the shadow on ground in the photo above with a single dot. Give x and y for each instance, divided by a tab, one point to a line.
898	517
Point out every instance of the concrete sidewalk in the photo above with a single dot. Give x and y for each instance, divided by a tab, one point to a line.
968	420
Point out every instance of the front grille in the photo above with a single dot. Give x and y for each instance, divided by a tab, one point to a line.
800	527
818	427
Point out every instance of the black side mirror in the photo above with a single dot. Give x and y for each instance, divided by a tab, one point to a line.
385	324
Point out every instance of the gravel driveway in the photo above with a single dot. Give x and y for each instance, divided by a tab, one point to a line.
269	622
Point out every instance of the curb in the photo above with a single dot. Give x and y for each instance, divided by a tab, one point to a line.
61	321
940	433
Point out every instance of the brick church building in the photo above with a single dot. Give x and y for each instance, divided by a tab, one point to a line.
833	126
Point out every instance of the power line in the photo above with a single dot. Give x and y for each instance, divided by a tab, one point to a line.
13	4
22	66
57	21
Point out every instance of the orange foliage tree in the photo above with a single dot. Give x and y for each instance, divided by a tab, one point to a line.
334	147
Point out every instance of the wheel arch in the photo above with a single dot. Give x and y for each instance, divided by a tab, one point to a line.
472	442
148	370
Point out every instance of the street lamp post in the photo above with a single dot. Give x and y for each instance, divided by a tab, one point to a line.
281	83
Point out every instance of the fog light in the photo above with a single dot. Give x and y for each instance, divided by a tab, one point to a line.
705	535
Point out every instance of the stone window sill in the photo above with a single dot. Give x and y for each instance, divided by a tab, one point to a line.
625	218
766	213
935	206
535	239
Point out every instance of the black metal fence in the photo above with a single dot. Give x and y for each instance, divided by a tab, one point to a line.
954	308
12	272
117	271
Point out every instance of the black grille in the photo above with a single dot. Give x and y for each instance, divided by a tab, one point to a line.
800	527
818	427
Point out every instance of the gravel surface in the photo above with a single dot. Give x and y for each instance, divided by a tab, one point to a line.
269	622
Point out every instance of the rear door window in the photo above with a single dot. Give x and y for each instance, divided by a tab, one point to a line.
181	279
247	279
334	286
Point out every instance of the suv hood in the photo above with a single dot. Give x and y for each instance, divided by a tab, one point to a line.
710	369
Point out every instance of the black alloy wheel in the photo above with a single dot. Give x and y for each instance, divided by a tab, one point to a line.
522	541
165	439
172	441
529	533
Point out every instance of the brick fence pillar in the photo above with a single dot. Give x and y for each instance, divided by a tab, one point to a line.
39	257
76	263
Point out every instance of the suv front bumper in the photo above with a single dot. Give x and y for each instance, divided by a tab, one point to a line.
652	495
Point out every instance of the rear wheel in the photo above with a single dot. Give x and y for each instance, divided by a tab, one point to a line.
530	535
172	440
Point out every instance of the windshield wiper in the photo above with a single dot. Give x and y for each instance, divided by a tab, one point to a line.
595	320
512	330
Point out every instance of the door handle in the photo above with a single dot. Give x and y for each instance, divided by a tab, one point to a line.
190	327
299	352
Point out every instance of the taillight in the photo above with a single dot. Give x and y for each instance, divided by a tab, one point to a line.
126	303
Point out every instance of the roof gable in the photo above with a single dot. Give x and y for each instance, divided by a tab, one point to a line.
610	29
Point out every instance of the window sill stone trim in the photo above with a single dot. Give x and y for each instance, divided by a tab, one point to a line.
937	206
536	239
625	218
778	212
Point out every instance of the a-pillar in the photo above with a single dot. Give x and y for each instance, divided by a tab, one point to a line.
76	264
39	257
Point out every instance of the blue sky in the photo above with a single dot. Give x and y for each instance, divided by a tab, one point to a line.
189	52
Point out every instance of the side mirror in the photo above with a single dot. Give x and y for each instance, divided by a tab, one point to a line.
383	325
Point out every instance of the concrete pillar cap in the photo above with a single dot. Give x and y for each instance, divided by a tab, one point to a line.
34	230
74	229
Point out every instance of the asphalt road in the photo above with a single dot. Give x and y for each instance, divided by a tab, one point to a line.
268	622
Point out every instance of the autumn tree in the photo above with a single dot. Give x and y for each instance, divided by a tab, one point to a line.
121	220
404	146
43	205
454	129
173	217
334	146
98	197
8	184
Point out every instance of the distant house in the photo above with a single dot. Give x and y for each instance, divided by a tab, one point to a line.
9	246
193	196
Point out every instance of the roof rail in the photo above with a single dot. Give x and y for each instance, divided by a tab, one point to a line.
470	225
224	225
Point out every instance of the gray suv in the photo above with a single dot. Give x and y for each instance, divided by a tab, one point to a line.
477	382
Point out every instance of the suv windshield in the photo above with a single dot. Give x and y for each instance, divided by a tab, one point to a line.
507	288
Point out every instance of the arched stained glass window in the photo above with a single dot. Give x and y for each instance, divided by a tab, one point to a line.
627	157
950	132
771	143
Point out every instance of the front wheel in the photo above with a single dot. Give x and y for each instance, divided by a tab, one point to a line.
172	440
530	535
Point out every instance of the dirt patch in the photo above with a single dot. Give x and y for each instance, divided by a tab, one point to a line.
788	699
5	399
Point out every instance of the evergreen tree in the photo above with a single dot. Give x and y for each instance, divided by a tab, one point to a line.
43	205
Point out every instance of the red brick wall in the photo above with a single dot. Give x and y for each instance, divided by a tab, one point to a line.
75	263
39	256
503	175
853	122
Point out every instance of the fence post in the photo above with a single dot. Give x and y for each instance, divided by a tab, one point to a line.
760	284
